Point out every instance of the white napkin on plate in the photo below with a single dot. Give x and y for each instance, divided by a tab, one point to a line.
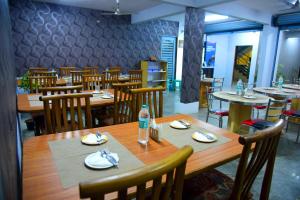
177	124
92	138
97	161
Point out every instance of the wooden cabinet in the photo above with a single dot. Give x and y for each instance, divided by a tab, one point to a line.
154	73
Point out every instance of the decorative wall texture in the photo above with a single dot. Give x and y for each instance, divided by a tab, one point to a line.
53	35
192	54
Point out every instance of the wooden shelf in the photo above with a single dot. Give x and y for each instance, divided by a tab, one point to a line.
154	75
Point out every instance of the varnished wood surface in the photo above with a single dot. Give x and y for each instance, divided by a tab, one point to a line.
41	179
24	104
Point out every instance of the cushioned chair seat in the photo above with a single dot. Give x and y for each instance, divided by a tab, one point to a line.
260	107
211	185
292	113
221	112
258	123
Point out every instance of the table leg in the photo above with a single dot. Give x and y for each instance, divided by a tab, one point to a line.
202	93
237	114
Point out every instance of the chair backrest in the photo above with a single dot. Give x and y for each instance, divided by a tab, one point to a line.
111	77
153	97
123	101
135	75
266	142
92	70
173	167
37	69
56	116
210	97
115	68
43	73
66	71
61	90
275	109
37	82
91	81
296	81
77	76
218	83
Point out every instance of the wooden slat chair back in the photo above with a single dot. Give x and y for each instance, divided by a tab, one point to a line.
153	97
36	82
56	109
66	71
275	109
210	97
92	70
266	142
173	167
123	101
115	68
77	76
111	77
61	90
93	81
135	75
37	69
44	73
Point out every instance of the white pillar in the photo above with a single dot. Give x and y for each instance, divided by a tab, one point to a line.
266	55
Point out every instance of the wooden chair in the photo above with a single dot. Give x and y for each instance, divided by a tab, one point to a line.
77	76
292	116
92	70
36	82
66	71
216	185
173	167
37	69
61	90
118	68
151	96
44	73
111	77
135	75
56	116
123	101
216	113
91	81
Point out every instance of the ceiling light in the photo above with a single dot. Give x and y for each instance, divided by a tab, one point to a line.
215	17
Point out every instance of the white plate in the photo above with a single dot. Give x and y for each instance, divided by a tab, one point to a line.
107	96
200	137
269	89
97	92
91	139
231	93
249	97
288	91
176	124
95	161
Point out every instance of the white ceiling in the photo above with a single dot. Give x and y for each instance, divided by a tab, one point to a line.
126	6
270	6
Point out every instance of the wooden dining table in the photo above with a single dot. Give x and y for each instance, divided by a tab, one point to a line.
41	179
24	105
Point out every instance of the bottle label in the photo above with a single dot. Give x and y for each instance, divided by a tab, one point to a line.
143	123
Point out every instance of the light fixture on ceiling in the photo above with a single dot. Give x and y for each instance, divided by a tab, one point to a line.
215	17
115	11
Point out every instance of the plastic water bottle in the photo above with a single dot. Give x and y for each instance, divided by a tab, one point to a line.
144	117
239	87
280	82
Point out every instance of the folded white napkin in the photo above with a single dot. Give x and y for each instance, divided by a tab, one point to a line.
177	124
93	139
95	160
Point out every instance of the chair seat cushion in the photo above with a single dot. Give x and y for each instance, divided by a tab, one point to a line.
260	107
258	123
221	112
292	113
211	185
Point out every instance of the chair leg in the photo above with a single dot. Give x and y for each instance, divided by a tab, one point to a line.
257	116
207	117
287	125
297	140
221	122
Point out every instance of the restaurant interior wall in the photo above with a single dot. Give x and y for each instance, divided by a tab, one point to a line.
225	53
288	59
53	35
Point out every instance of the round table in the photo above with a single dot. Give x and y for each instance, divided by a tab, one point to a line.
240	108
277	93
291	86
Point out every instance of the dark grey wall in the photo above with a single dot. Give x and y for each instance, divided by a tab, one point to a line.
53	35
192	54
8	147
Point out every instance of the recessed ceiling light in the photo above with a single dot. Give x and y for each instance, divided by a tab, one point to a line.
98	21
214	17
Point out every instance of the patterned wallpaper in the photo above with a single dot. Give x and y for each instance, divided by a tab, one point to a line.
52	35
192	54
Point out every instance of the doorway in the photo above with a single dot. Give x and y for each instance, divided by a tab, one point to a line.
242	63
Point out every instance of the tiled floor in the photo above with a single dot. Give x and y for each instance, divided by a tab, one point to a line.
286	177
